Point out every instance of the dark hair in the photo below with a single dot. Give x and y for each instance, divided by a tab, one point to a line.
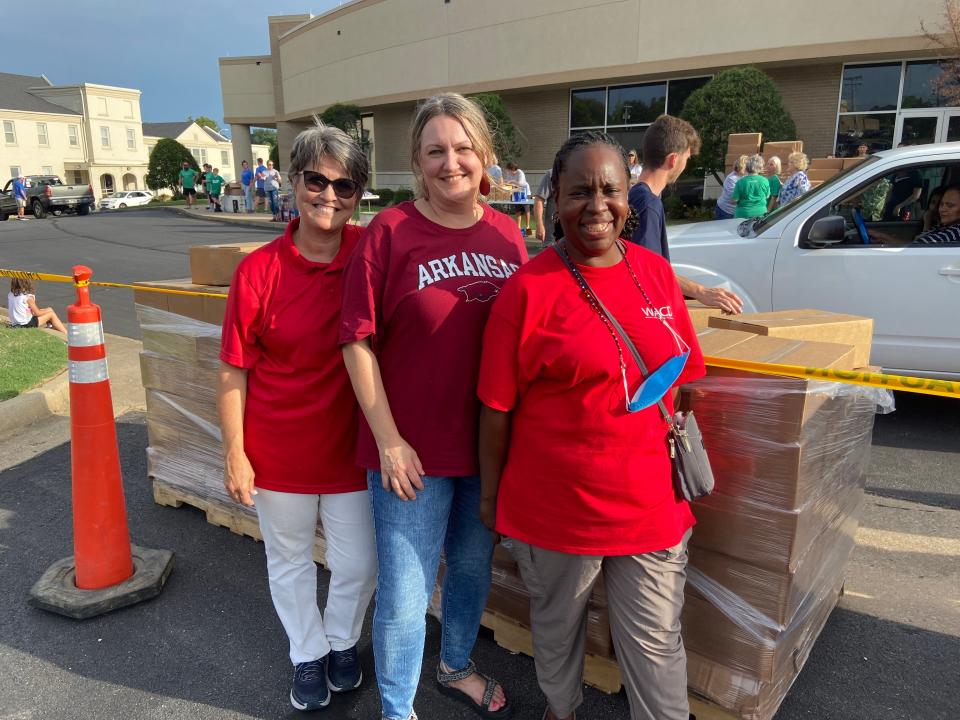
579	142
21	286
512	166
667	135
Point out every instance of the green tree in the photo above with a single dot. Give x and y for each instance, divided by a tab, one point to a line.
275	156
263	136
166	161
506	140
204	121
347	118
737	100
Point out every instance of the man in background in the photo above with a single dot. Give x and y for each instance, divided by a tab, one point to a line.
667	146
260	175
246	182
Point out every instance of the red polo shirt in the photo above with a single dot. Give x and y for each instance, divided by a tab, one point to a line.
281	324
423	292
583	475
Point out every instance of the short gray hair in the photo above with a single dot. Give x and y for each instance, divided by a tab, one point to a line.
755	164
324	141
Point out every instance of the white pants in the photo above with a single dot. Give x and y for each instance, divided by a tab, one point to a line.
288	522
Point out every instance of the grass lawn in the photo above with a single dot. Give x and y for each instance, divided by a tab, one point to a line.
28	356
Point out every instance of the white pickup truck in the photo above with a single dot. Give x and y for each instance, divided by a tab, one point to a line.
811	253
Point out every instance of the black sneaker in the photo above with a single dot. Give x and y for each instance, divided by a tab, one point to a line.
310	691
343	670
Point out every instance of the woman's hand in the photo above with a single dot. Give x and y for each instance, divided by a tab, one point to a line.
238	477
401	469
488	513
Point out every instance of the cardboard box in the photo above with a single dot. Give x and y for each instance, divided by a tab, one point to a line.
764	536
699	314
782	149
215	264
714	342
820	174
851	161
177	377
750	141
774	655
779	594
813	325
781	351
203	308
827	163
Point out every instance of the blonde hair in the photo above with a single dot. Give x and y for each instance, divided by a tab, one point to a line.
464	111
740	166
778	167
799	160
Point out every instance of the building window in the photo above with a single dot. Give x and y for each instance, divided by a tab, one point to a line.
101	106
73	135
199	154
14	171
78	177
224	158
46	170
104	136
625	111
9	132
42	138
873	98
131	139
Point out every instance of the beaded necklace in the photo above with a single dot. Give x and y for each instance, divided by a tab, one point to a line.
595	304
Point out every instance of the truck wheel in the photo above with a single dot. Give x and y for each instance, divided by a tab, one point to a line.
38	212
3	217
83	210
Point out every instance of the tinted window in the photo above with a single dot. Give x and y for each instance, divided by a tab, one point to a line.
874	130
634	104
870	87
629	138
680	90
587	108
919	85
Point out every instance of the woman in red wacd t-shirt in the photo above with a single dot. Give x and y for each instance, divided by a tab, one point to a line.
417	296
579	483
288	416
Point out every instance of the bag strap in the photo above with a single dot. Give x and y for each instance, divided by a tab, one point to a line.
613	321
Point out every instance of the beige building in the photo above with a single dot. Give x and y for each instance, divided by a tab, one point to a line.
205	144
847	72
84	133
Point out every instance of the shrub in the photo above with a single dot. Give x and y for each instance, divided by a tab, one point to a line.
506	143
166	161
386	196
737	100
673	207
402	195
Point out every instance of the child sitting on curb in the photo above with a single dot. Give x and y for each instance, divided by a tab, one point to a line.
23	310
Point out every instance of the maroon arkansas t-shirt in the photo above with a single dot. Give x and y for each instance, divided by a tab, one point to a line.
422	293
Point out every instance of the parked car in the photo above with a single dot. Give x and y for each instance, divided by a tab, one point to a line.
810	253
126	198
45	194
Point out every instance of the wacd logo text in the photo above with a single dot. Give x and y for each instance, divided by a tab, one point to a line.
663	313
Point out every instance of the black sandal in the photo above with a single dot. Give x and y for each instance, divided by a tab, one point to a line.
483	709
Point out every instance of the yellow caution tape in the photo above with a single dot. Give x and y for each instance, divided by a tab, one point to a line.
26	275
925	386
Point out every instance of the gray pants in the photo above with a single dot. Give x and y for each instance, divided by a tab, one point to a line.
644	599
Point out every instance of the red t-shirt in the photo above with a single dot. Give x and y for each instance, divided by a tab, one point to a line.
281	324
583	475
423	291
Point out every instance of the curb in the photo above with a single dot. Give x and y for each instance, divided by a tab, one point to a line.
267	224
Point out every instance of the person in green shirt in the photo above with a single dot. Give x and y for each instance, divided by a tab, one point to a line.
207	174
214	184
188	178
772	171
752	191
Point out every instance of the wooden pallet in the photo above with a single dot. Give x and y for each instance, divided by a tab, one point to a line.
223	513
599	672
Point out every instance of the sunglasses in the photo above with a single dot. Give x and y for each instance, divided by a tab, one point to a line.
343	188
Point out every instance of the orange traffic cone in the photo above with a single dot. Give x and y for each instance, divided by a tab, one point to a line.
105	572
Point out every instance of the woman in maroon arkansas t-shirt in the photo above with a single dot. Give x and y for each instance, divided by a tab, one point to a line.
579	480
417	295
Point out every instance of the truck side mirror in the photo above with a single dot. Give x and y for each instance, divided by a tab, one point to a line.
827	231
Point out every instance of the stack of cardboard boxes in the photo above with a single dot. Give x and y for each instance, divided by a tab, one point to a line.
741	144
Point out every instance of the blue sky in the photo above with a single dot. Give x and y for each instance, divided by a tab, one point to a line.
167	50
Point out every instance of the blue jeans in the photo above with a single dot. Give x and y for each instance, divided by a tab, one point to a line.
410	535
248	197
272	197
720	214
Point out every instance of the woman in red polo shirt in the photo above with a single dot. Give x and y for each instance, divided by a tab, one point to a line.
417	295
578	480
288	417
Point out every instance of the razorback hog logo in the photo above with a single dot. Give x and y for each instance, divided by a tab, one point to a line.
481	290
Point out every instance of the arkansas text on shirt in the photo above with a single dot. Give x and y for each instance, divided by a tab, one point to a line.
422	292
